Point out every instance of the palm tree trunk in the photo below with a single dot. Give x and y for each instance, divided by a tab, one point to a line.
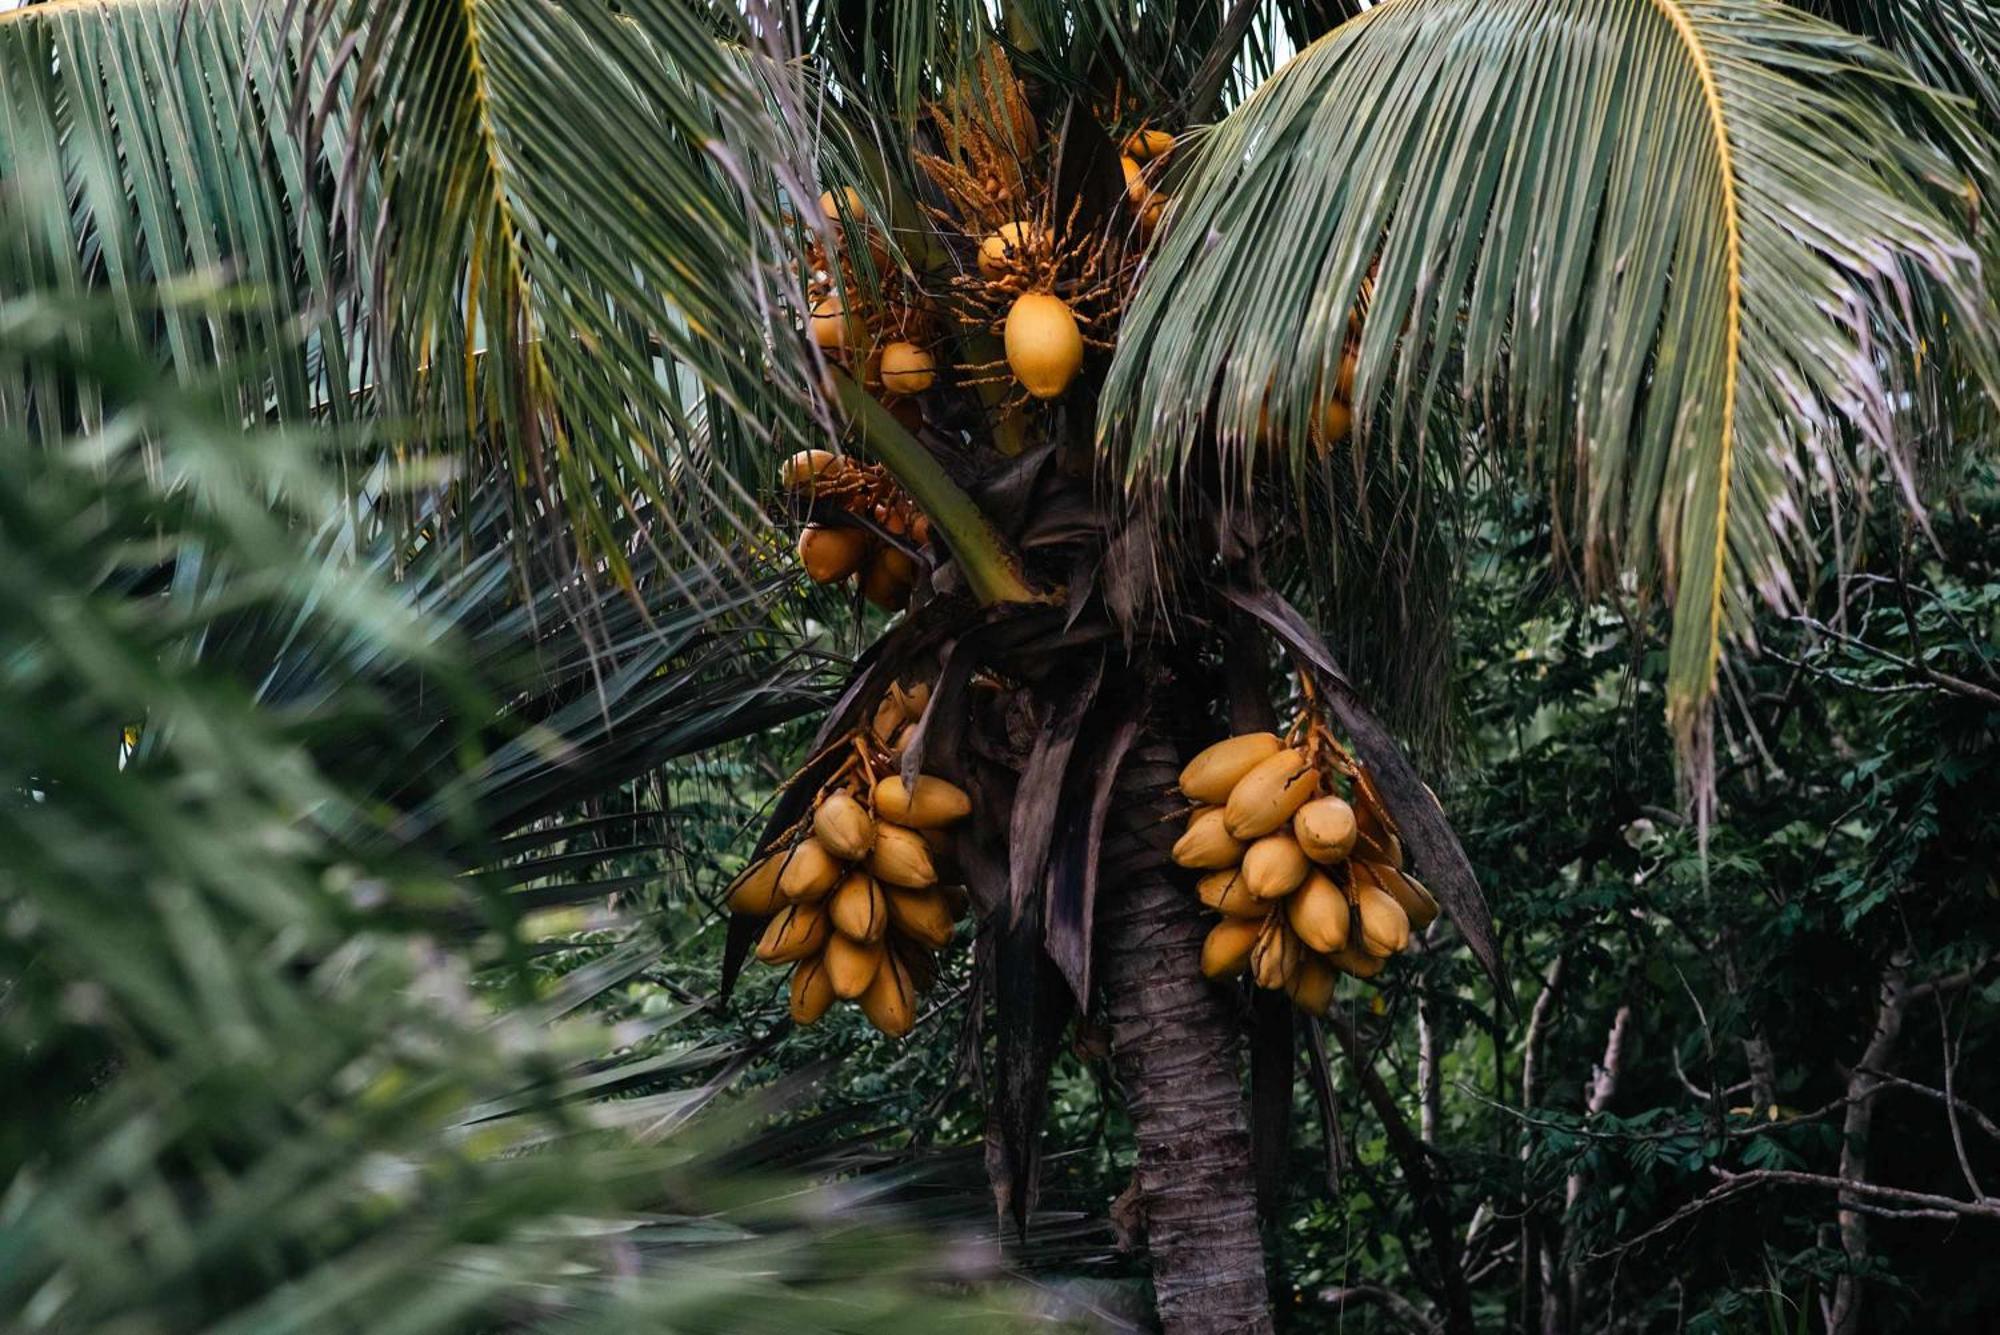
1175	1042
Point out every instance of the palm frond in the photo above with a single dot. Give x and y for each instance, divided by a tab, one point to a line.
245	1087
1684	256
1953	44
146	145
593	198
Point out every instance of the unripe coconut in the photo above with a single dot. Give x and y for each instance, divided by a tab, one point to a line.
812	990
1226	950
995	250
831	554
830	204
1212	773
907	368
1044	345
834	328
1147	144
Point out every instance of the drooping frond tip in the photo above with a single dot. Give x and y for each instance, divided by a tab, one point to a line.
1680	256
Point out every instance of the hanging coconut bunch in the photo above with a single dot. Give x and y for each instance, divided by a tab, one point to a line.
1048	286
876	548
853	892
1144	162
1300	859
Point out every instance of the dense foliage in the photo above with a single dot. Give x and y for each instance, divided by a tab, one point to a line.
1853	842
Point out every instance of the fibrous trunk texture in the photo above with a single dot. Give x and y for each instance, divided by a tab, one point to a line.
1175	1042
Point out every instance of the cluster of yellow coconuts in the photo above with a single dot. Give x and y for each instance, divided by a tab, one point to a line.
1308	884
834	552
900	366
854	901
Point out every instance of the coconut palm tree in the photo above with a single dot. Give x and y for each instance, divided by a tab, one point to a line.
1158	361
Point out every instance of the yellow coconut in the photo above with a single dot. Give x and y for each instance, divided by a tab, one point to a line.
1147	144
794	934
1385	928
1269	794
1336	420
1229	894
1406	890
1211	774
1326	829
932	804
1275	957
1044	345
890	1003
996	250
901	857
843	826
834	327
1274	866
1205	845
858	908
830	204
1311	988
756	890
812	990
832	554
851	964
1226	951
1136	189
924	916
1319	913
807	467
809	871
907	368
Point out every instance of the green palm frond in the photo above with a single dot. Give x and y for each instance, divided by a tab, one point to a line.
146	145
1953	44
246	1084
1680	259
1174	59
592	197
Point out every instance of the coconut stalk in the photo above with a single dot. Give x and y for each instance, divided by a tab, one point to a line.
992	571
